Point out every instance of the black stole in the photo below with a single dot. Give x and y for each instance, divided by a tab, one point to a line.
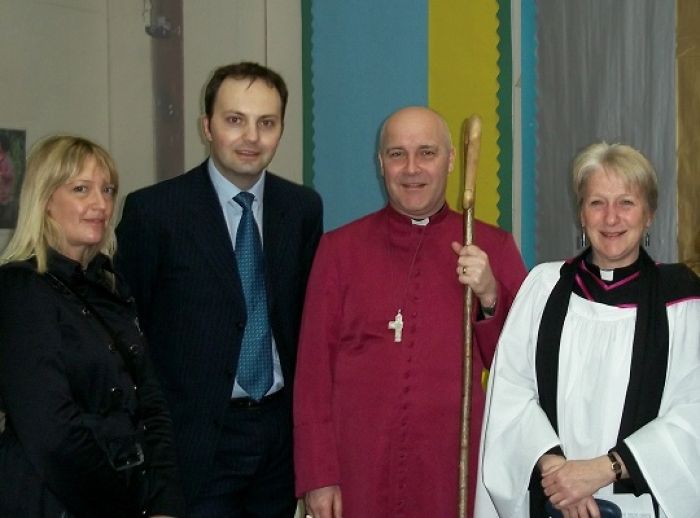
649	355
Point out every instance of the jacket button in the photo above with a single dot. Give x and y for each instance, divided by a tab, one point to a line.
111	347
134	349
116	395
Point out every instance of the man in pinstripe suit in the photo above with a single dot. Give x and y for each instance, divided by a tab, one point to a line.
176	250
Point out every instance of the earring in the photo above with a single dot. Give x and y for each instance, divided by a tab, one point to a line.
582	241
647	240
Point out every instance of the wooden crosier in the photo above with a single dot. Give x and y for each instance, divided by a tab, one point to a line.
471	147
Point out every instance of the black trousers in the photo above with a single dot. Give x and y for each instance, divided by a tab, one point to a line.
252	474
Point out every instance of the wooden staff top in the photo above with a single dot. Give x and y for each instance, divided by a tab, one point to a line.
472	144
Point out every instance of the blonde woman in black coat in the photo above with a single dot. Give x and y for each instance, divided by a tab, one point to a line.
86	433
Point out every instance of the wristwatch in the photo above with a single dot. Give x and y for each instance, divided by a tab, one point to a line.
489	311
615	466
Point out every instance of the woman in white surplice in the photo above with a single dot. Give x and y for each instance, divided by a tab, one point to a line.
595	389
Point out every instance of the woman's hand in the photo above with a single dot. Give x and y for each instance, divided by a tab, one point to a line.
586	508
575	481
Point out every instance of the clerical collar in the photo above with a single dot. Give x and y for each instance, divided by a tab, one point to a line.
611	275
402	219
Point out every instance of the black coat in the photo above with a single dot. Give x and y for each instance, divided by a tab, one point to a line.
77	416
177	256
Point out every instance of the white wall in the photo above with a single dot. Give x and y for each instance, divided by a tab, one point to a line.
219	32
130	101
84	67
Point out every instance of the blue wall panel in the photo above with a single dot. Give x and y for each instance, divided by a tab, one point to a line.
368	58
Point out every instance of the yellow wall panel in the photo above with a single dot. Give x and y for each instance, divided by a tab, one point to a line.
463	80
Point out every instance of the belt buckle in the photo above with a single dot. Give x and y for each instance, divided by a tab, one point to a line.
252	403
130	460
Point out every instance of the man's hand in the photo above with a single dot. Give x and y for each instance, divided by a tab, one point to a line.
473	269
324	502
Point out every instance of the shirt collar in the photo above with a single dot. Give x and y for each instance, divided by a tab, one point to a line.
225	190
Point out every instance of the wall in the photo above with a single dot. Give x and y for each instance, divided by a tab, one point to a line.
51	80
84	67
219	32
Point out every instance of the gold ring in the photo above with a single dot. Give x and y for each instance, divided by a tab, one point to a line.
464	270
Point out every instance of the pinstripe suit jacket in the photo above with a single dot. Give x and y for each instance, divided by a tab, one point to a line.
176	254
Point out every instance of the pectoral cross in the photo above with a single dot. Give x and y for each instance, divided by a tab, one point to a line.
397	326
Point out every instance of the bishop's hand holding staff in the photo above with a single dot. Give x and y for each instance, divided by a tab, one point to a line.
376	429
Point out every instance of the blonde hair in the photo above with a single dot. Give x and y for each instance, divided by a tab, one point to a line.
621	160
52	162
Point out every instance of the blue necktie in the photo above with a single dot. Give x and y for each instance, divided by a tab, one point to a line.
255	360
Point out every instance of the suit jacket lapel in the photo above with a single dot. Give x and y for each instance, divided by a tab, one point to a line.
275	234
213	239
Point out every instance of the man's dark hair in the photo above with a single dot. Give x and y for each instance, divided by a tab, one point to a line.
243	70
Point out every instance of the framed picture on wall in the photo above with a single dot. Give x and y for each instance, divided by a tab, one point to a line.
12	162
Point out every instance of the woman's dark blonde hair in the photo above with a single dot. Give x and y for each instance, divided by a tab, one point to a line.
53	162
618	159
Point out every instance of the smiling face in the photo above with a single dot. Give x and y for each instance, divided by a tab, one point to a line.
614	216
82	208
416	156
244	129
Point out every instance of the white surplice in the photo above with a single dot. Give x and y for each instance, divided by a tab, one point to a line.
594	363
